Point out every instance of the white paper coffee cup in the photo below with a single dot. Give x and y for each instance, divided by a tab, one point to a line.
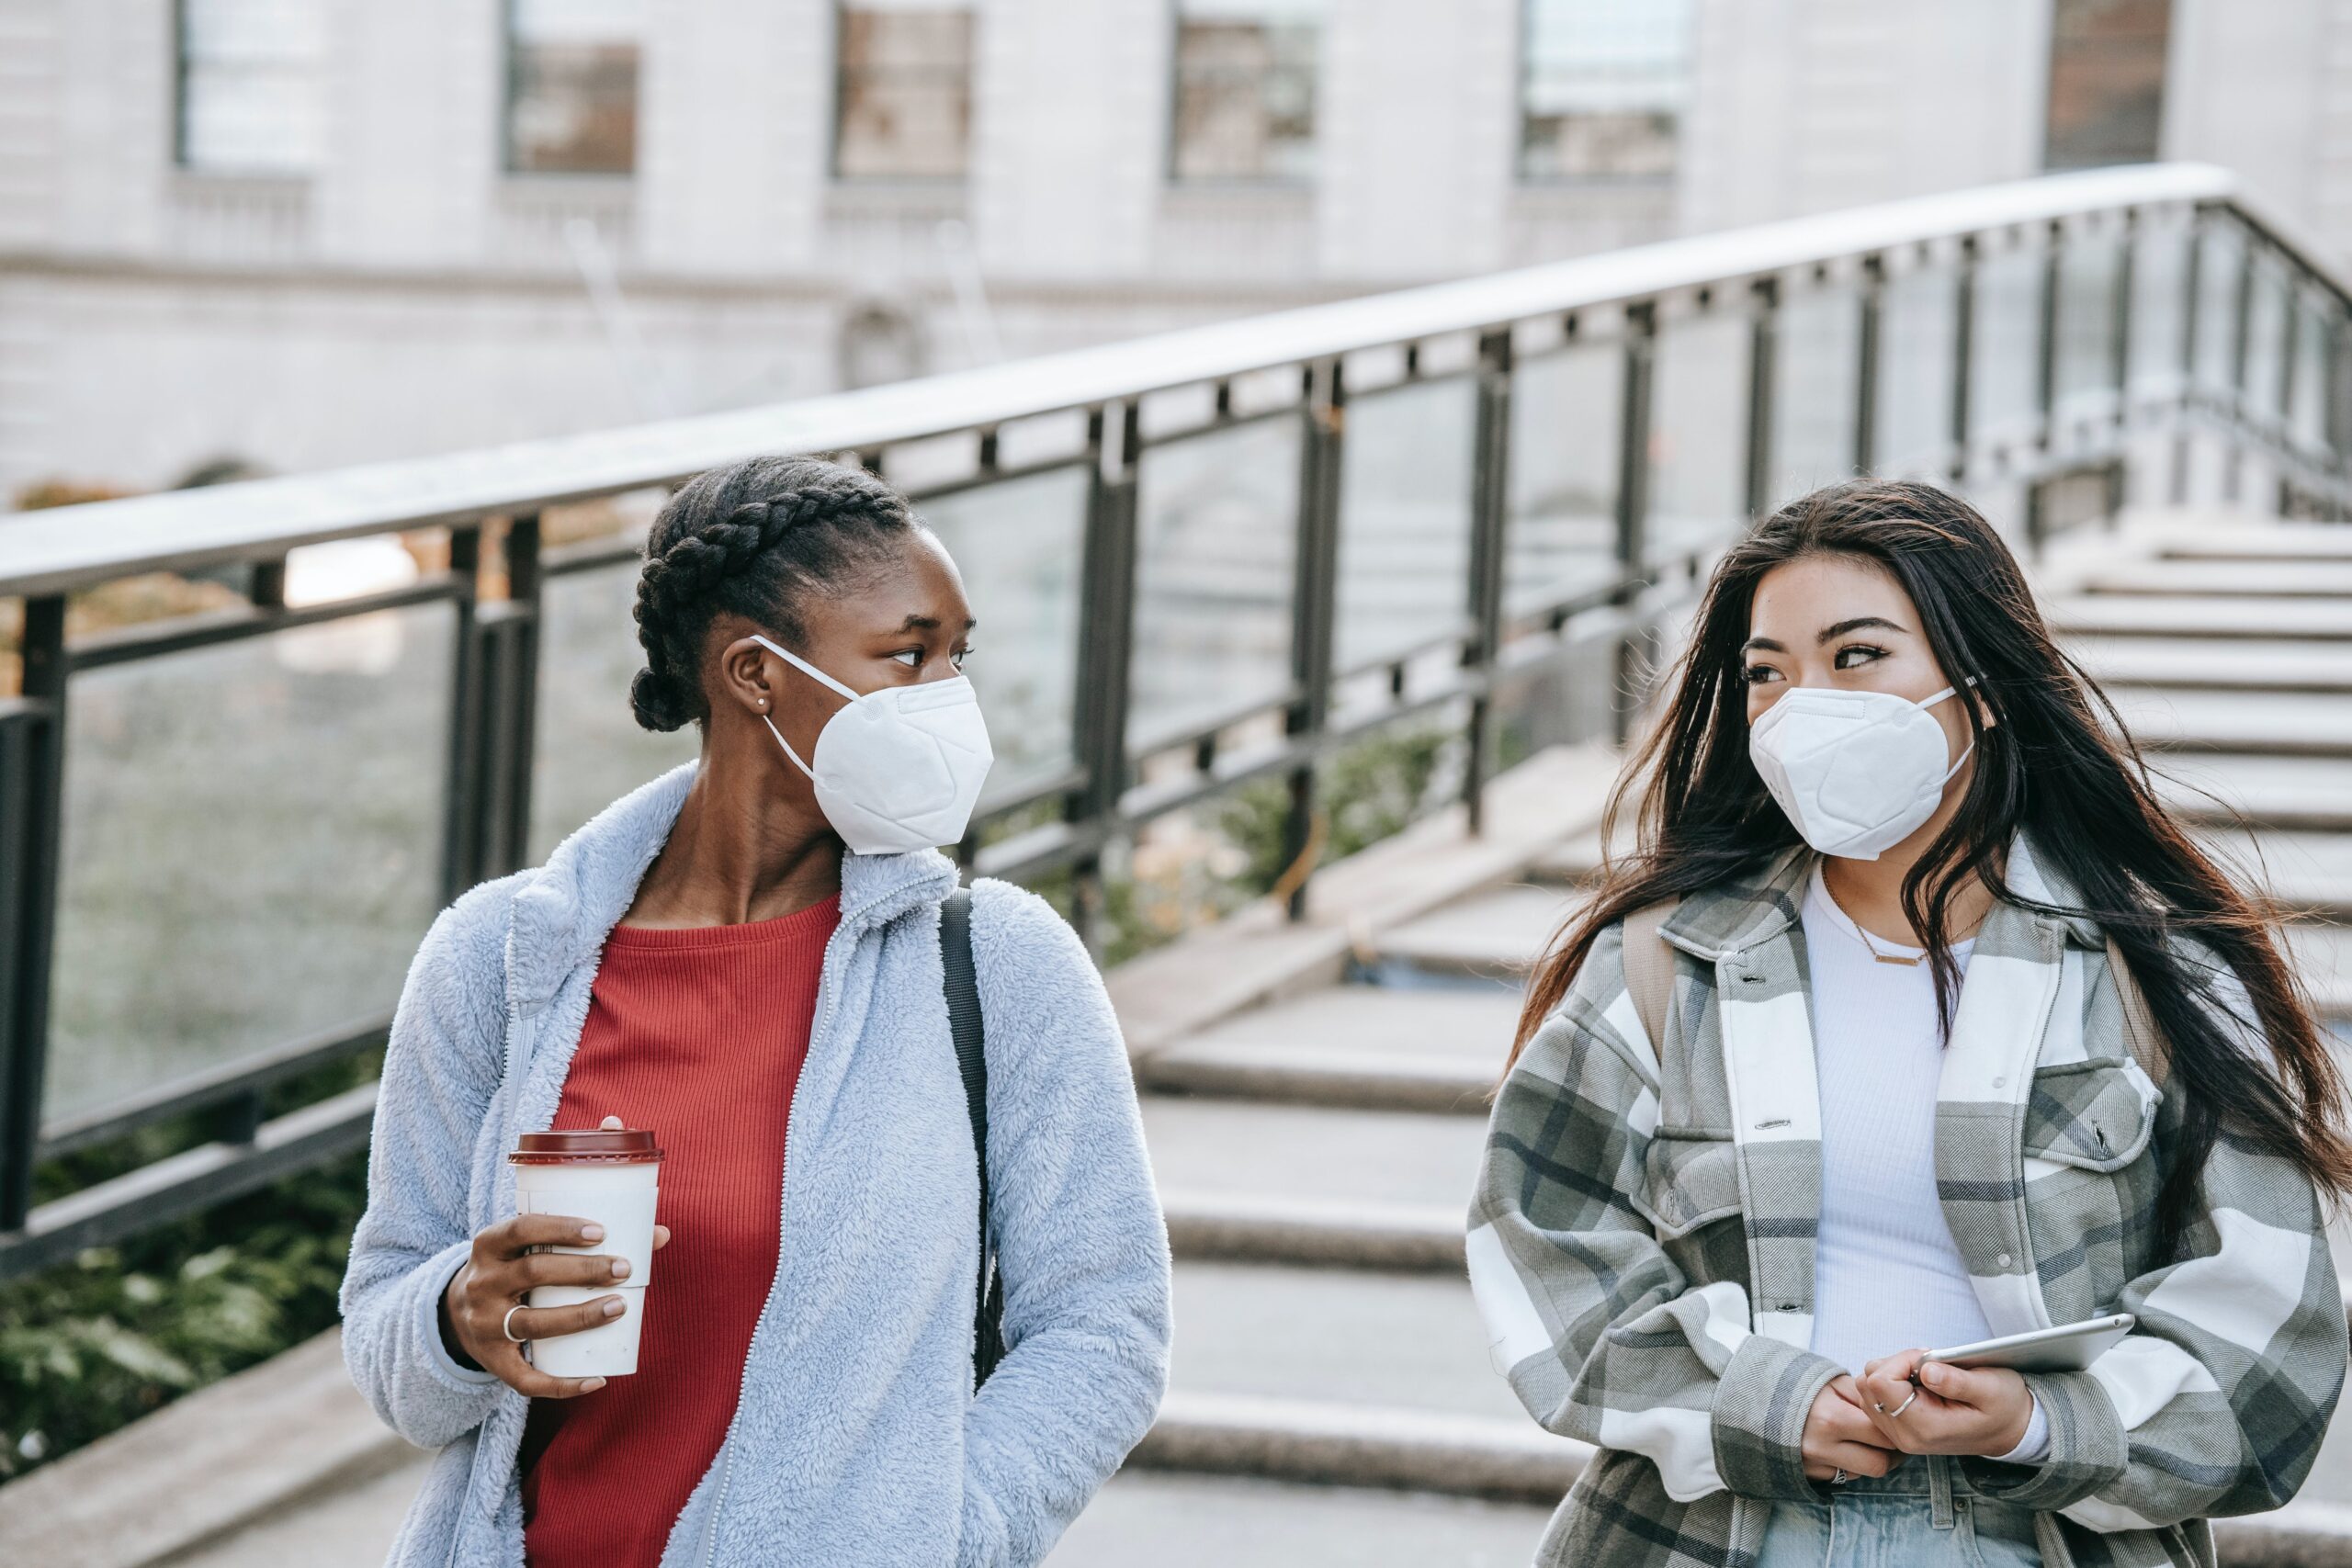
610	1176
607	1350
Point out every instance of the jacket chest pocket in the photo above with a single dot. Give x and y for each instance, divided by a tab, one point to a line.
2094	1115
1690	1178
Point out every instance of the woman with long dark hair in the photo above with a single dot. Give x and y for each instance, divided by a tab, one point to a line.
1911	1019
751	957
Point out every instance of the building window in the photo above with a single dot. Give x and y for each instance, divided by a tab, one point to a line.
571	85
252	94
903	101
1244	91
2107	81
1601	89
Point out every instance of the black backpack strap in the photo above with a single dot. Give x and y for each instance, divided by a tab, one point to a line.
971	1058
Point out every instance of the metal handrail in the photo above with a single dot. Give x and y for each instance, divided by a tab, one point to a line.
182	530
1503	323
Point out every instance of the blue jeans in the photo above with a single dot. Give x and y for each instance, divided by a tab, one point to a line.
1924	1514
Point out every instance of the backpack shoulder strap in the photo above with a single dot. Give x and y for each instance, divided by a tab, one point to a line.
965	1024
2139	1032
1649	968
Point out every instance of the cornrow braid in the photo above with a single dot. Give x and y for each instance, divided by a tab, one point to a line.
753	538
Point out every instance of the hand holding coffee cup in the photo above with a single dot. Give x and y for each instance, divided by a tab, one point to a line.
584	1269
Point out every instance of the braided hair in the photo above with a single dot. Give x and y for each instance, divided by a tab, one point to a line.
753	537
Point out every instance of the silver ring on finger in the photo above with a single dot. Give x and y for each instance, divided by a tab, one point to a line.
505	1324
1840	1478
1899	1409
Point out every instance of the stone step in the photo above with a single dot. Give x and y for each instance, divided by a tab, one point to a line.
350	1528
2316	620
1220	1152
2249	723
1424	1238
1495	934
2204	578
2254	665
2310	794
1160	1519
2265	542
1406	1341
1365	1445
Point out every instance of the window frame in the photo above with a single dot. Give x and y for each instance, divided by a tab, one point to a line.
186	167
510	81
1173	178
834	174
1524	77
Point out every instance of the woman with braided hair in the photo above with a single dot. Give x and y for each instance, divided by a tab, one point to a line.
747	956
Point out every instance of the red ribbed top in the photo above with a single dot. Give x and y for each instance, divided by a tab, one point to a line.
697	1032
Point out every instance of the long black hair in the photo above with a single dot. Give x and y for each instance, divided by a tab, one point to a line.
753	537
2079	785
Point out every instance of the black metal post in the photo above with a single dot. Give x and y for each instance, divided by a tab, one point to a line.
1963	355
1763	350
2120	322
1490	509
513	740
2242	311
461	836
32	773
1874	300
2045	368
2190	312
1105	620
1630	664
1314	603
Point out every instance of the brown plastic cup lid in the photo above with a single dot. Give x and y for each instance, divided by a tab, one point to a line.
587	1146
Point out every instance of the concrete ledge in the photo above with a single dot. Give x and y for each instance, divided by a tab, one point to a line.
1388	1082
1397	1238
1257	955
1290	1439
205	1465
2300	1535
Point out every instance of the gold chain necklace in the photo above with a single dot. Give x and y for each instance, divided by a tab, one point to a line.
1864	937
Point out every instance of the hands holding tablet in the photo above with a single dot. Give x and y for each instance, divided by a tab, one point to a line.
1968	1399
1949	1409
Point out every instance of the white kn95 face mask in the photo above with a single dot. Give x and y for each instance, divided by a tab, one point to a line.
896	769
1857	771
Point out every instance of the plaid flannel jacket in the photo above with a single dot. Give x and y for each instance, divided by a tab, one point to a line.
1641	1245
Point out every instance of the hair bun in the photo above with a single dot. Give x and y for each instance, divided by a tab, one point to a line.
659	702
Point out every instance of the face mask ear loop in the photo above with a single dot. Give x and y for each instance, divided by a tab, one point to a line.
803	666
1964	751
787	747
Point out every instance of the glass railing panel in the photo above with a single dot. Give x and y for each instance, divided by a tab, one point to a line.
1918	311
2089	268
1020	547
2159	310
251	847
588	749
2003	397
2221	259
2307	404
1817	379
1405	492
2267	325
1561	535
1217	553
1698	434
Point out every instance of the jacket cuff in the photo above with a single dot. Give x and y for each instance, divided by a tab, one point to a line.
433	1278
2089	1448
1761	1406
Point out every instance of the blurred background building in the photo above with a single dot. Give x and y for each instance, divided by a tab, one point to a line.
297	233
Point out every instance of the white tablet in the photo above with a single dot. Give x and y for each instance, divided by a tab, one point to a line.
2069	1348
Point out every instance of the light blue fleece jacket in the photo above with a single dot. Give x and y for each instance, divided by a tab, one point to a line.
857	1439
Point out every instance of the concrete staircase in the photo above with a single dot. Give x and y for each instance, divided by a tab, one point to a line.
1314	1099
